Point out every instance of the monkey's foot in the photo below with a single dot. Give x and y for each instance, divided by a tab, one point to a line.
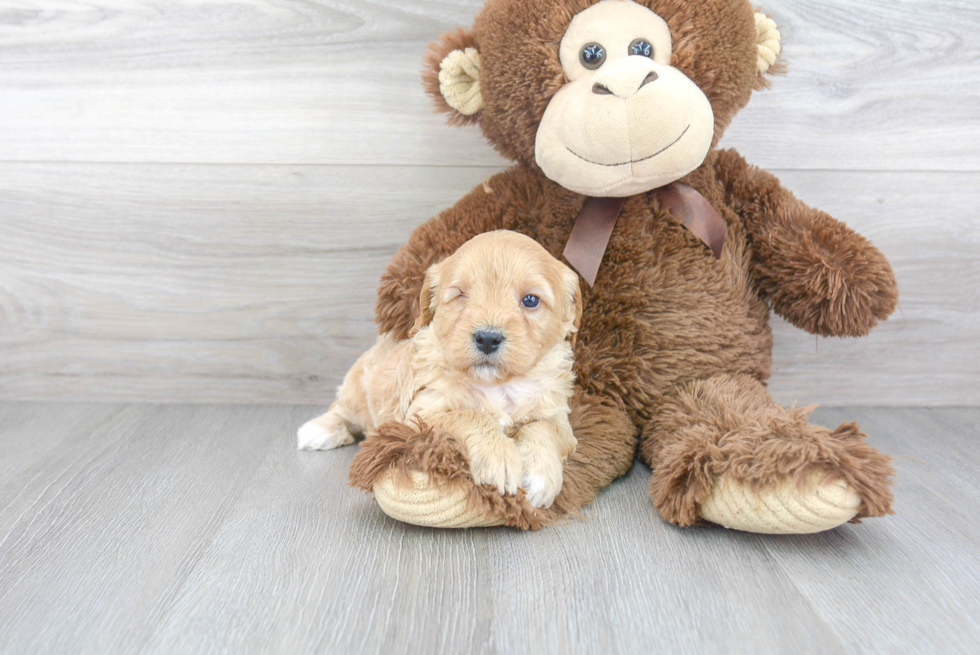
423	501
813	505
418	475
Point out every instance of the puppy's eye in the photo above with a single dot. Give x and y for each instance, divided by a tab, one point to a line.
453	293
641	47
592	56
531	301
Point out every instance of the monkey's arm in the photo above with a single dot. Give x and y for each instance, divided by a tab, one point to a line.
814	271
481	210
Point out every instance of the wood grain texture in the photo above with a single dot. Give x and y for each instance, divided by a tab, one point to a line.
102	532
197	197
236	284
30	433
926	545
881	84
201	530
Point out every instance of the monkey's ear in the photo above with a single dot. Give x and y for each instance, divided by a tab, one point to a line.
427	299
451	76
768	46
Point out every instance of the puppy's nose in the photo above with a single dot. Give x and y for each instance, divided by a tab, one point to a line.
489	340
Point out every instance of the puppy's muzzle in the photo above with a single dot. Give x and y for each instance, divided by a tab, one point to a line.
488	340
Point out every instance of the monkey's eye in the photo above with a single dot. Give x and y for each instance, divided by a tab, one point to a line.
531	301
592	56
641	47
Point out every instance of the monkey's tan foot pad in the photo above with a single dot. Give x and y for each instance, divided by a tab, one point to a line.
784	509
424	502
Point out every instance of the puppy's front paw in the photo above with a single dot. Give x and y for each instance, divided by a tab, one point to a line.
496	462
542	481
320	434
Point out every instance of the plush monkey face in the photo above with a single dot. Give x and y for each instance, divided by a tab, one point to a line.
626	121
607	97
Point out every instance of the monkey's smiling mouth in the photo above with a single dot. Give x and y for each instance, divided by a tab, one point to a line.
633	161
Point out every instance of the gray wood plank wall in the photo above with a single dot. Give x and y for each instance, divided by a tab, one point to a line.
197	198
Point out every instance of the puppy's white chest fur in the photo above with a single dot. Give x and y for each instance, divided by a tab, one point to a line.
509	399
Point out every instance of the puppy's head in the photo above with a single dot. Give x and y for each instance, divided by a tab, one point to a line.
498	304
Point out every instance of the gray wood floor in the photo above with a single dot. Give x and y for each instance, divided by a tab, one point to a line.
186	529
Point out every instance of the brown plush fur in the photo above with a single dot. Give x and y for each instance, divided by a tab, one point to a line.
814	271
598	459
673	343
714	427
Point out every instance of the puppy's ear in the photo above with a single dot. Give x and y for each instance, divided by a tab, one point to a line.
427	299
572	309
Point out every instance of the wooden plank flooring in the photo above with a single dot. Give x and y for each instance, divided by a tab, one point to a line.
193	529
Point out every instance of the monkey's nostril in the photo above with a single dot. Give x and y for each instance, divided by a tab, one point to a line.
652	77
598	89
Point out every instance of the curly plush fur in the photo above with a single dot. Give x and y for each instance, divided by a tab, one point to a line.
674	346
599	458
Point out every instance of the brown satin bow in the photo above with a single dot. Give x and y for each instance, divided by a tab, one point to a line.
595	223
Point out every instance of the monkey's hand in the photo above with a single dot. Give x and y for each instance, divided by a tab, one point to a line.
814	271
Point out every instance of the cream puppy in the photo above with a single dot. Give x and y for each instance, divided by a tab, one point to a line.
489	361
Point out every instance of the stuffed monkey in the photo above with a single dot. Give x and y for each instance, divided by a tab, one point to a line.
611	111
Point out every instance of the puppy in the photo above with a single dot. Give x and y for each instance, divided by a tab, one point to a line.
489	361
